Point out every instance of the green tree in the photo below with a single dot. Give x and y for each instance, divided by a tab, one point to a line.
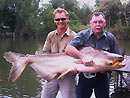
20	15
8	15
125	13
110	9
69	5
47	18
28	15
72	7
85	13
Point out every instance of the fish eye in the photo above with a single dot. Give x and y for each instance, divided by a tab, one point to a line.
111	63
120	57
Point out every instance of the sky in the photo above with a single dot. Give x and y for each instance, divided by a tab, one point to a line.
90	2
81	2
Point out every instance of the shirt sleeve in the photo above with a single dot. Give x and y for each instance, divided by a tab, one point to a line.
114	45
77	42
47	45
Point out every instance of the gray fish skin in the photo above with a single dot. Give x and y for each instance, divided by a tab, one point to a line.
48	65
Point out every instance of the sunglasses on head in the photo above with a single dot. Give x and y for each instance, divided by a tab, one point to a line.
62	19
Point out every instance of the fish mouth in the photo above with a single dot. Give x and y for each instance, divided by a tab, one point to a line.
117	63
119	59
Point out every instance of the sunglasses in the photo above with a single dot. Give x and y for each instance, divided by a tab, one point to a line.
62	19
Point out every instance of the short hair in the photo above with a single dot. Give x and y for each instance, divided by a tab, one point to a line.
60	10
96	13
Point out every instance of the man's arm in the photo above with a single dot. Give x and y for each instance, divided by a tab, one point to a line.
72	51
47	52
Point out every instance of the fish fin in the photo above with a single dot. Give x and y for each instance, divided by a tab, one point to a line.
11	56
63	74
78	62
43	71
19	63
38	53
123	52
15	73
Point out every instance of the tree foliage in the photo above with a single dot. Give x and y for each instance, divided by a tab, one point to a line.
114	11
110	9
25	16
20	15
125	13
69	5
8	15
47	18
85	13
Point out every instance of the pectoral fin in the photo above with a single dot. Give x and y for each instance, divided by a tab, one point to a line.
78	62
63	74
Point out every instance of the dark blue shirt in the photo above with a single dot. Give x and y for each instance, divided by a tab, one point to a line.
106	42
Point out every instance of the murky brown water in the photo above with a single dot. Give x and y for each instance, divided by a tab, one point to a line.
29	85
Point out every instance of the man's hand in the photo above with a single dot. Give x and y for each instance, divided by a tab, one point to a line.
75	70
87	61
28	61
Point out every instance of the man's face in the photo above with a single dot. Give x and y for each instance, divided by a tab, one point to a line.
97	24
61	20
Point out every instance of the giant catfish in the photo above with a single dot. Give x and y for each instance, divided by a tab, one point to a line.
48	65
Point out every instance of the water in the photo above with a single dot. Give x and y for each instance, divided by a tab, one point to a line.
29	85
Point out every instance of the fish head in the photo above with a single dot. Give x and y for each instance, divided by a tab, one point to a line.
114	60
103	58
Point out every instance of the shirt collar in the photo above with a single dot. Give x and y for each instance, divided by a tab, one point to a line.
67	32
103	34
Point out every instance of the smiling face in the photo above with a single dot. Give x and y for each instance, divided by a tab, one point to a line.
61	20
97	24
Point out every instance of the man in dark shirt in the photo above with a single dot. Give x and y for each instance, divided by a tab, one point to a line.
97	37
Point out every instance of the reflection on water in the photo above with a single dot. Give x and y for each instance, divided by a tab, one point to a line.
29	85
122	90
121	93
124	45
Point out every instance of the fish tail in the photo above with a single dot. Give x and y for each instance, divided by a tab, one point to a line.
15	73
19	63
11	56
